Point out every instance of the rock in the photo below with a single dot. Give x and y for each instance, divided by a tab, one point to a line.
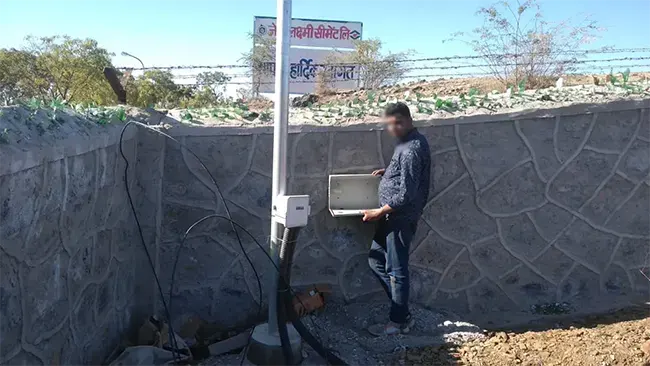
502	336
190	325
646	348
545	98
250	116
304	100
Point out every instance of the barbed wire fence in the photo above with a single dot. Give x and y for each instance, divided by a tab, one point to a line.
438	67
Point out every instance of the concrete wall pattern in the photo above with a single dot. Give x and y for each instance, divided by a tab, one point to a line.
68	283
524	210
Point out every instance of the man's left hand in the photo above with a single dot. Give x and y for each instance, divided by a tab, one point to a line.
373	215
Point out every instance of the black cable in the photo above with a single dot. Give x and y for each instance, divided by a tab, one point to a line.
233	223
178	251
171	287
303	331
329	356
144	245
286	253
168	310
287	249
248	342
234	226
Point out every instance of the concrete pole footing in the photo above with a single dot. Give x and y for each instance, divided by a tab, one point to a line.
266	349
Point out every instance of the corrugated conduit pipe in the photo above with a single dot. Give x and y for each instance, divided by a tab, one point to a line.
286	310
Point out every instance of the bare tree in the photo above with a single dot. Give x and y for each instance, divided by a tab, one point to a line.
325	75
376	68
260	61
516	44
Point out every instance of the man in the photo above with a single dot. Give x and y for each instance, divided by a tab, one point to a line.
403	192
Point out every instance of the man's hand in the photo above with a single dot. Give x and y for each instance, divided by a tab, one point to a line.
379	172
376	214
373	215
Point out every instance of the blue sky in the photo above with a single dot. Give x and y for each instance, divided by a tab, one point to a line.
165	32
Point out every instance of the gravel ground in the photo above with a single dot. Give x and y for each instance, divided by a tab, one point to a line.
619	338
343	329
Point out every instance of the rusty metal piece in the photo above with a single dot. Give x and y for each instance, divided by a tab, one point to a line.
111	76
311	300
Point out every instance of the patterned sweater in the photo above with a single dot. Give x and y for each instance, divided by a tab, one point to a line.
405	184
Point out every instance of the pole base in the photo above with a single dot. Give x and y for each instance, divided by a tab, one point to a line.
266	349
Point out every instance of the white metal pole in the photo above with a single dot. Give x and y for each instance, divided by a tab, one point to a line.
280	135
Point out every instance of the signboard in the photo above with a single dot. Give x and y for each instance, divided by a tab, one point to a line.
305	64
313	33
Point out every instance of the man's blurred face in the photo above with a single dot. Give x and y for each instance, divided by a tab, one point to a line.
395	126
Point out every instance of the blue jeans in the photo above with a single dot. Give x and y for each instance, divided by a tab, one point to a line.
389	260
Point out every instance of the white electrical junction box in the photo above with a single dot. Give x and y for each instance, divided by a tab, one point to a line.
291	211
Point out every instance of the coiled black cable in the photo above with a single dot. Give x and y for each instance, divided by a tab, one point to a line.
286	291
144	245
187	232
167	309
284	295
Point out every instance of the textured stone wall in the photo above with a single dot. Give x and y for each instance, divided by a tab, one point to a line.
69	286
524	209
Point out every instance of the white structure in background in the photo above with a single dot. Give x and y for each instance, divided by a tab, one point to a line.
312	43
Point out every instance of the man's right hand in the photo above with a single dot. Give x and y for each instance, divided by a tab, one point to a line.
379	172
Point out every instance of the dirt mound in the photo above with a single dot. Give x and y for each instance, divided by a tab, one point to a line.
457	86
615	339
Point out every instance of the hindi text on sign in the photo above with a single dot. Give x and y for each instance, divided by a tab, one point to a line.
313	33
306	70
320	32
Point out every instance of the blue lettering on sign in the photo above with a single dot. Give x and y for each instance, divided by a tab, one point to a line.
306	69
303	69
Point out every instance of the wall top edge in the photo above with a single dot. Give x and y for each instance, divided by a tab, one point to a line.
510	115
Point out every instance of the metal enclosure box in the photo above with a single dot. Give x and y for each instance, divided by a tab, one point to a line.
351	194
292	211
